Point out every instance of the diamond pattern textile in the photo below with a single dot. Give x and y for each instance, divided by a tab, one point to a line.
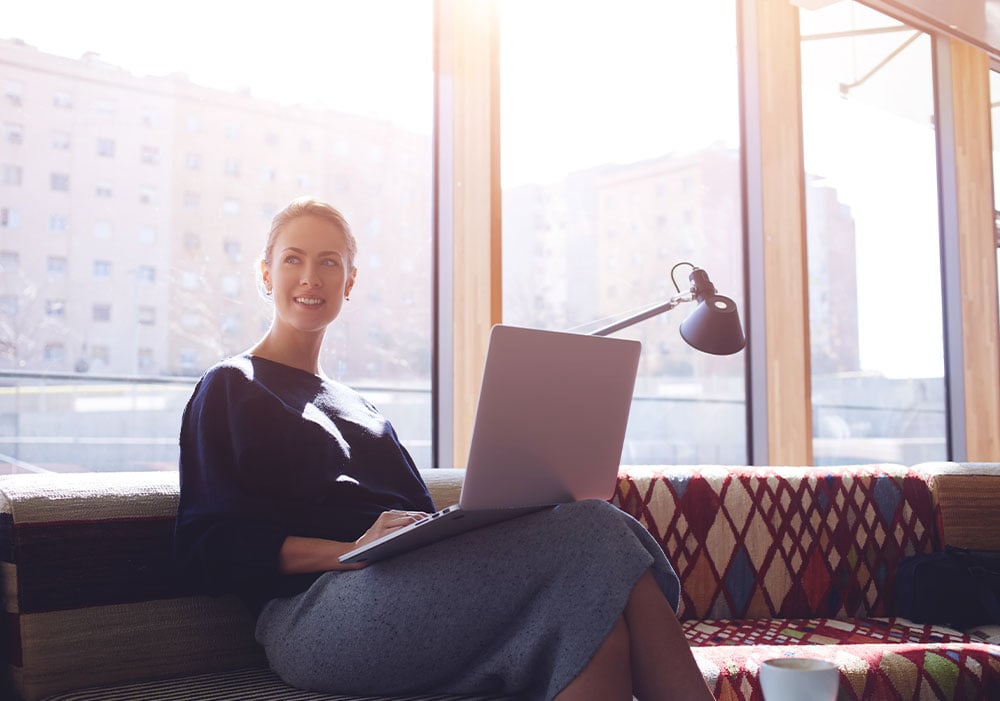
783	542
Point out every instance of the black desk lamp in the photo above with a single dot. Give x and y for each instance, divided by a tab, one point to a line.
714	325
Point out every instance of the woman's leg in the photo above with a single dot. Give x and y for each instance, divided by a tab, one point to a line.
662	664
608	675
645	651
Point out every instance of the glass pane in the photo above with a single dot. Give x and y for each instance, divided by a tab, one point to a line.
619	162
140	171
875	311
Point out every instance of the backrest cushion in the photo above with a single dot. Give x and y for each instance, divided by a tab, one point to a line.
789	542
966	500
89	590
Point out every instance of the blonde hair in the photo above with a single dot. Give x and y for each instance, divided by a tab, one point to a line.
302	207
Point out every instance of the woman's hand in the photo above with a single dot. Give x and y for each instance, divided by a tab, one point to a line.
389	522
300	554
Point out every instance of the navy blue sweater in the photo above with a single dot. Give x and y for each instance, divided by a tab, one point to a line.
268	451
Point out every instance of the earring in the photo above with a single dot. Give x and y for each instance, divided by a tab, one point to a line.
347	297
268	291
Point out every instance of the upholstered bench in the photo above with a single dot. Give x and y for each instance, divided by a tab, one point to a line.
773	561
778	561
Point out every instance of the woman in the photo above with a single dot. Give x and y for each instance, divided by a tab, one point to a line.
283	470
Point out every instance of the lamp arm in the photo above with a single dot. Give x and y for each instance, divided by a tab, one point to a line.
647	313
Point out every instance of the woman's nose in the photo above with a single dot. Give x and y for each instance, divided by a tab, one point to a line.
311	277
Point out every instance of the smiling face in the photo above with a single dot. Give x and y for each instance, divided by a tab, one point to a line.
309	274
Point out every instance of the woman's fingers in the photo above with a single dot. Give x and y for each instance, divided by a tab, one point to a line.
389	521
401	519
405	516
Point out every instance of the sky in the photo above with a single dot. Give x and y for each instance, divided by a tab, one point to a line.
372	58
587	83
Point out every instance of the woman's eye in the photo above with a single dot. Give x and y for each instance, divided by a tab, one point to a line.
291	259
331	262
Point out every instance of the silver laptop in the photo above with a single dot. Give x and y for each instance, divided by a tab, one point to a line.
550	426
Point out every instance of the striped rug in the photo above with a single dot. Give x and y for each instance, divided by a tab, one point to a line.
240	685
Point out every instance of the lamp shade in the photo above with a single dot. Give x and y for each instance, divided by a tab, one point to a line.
714	326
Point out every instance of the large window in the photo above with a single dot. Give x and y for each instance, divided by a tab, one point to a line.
621	158
875	309
149	162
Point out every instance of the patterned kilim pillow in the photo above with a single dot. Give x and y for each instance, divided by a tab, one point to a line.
788	542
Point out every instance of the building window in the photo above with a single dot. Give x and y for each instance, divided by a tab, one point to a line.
55	308
101	312
56	265
877	367
10	218
12	174
188	359
106	148
9	305
146	359
9	261
233	250
231	325
61	140
146	274
554	251
58	223
54	352
102	268
194	232
100	355
13	92
13	133
63	101
59	182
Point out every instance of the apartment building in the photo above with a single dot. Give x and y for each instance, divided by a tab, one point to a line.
132	210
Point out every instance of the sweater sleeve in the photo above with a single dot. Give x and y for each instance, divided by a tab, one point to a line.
227	535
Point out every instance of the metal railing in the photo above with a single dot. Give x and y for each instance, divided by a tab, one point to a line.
70	422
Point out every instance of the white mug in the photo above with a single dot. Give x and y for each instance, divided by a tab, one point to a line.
799	679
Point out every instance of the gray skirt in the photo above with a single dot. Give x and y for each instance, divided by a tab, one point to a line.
516	608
